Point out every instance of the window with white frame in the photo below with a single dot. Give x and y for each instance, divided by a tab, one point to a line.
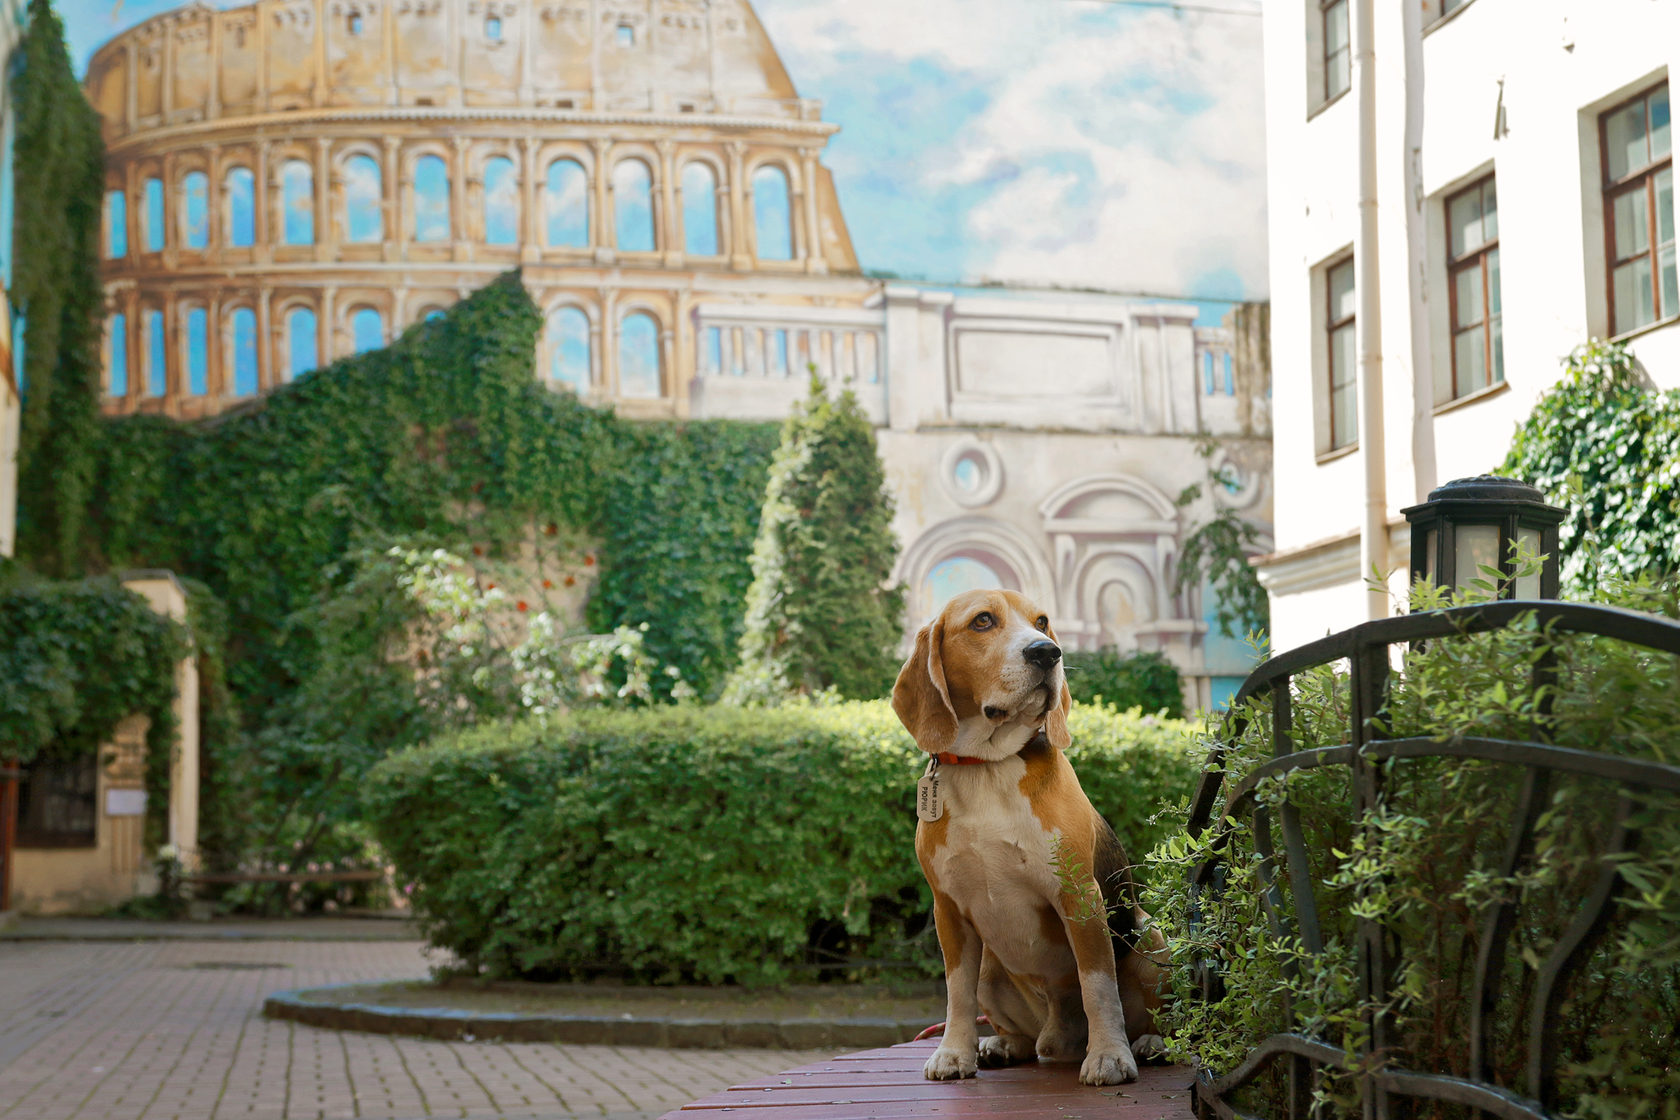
1341	354
1338	48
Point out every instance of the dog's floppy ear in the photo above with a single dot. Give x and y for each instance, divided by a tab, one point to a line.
1055	720
920	697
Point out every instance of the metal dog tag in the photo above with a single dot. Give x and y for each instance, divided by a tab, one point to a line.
929	805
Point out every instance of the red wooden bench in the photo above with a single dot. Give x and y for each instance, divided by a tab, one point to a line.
888	1084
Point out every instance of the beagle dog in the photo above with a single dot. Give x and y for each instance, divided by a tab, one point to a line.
1023	869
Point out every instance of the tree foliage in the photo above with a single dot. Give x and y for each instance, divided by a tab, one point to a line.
1606	446
60	185
820	611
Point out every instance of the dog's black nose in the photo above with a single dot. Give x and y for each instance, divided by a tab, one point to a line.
1042	653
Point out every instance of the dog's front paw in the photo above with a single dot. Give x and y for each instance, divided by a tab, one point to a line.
1149	1047
1108	1067
1005	1050
950	1065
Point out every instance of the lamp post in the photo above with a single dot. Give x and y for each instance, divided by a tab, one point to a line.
1472	523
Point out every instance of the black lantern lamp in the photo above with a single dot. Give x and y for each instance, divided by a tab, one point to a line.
1472	523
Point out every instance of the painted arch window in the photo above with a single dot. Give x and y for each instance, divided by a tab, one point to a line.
364	218
639	369
566	205
772	214
950	578
153	219
367	330
116	225
195	210
700	210
197	344
568	349
501	202
116	362
297	200
240	191
431	199
155	353
633	206
302	349
242	342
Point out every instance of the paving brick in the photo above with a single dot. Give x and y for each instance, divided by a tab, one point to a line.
172	1030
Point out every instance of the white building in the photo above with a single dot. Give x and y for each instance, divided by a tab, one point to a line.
1524	203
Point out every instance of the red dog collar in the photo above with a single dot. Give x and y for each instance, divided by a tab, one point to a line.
946	758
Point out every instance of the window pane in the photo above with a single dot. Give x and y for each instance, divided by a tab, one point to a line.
195	200
157	362
1493	283
1344	416
1631	217
363	220
241	190
1338	74
566	204
1490	212
1632	284
501	202
116	224
1498	328
568	349
1335	27
300	342
1342	303
1624	139
772	215
1670	293
197	358
633	206
431	199
244	352
297	191
638	356
1470	360
1467	296
1464	223
699	187
1343	357
154	215
1665	205
1661	143
118	363
367	329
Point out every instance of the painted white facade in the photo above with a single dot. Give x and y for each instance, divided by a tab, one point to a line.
1036	440
1509	88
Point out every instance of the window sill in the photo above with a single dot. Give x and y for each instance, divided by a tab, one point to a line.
1442	21
1648	328
1323	105
1481	394
1342	452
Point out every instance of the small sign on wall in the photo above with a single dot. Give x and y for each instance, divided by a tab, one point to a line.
125	803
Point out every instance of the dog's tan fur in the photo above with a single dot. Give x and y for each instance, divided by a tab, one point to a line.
1018	943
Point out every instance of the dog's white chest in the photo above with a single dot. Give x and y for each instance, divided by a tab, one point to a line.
995	865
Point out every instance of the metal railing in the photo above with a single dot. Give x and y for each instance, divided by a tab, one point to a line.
1367	649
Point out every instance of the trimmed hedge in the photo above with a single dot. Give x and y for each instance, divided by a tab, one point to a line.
708	844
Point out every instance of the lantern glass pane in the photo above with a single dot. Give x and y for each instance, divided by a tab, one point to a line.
1475	547
1429	556
1528	544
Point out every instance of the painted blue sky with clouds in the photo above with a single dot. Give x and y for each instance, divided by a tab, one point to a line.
1066	142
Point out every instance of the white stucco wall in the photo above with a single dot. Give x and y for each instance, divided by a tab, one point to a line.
1561	62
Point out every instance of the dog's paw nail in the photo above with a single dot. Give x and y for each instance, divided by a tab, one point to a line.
949	1065
1108	1068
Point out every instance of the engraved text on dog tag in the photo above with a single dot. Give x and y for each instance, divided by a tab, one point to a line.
929	805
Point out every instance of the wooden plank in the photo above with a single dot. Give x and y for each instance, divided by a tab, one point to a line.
887	1084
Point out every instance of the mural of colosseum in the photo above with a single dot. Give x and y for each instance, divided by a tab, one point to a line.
299	180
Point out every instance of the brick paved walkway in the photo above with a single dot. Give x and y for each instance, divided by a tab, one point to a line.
172	1031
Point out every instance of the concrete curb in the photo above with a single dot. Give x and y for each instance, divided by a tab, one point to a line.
314	1007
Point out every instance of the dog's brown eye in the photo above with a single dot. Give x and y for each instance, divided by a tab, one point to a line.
983	621
1043	622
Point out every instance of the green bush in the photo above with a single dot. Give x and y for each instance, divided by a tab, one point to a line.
1146	680
711	844
1427	864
